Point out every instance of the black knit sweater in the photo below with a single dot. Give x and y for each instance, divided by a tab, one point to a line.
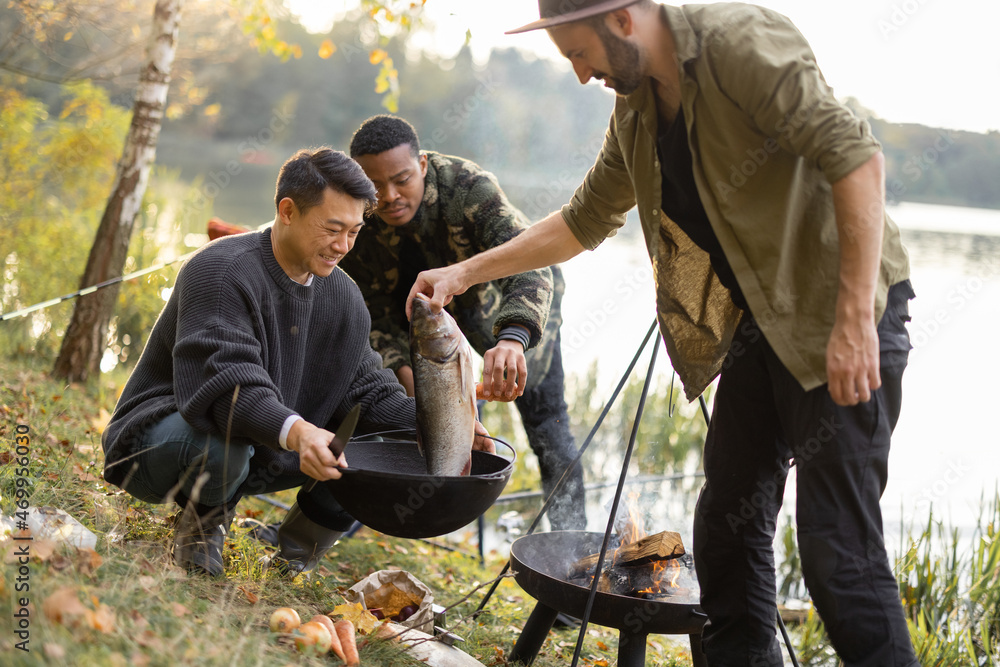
235	319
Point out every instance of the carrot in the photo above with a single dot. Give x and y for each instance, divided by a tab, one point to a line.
327	622
480	396
337	647
345	632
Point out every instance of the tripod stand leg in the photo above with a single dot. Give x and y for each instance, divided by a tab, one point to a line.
534	634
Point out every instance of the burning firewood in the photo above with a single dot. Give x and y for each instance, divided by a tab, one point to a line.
661	546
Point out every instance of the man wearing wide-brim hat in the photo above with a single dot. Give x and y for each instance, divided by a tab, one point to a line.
761	198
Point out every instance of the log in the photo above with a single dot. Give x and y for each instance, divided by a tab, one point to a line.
218	228
797	616
423	648
661	546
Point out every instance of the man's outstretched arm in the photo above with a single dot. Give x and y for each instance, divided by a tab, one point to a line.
548	242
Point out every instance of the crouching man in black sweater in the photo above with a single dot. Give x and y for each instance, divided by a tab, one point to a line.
259	353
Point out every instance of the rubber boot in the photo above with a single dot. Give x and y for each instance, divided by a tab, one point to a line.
260	531
200	534
301	543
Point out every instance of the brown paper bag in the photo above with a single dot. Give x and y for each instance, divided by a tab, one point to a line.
392	589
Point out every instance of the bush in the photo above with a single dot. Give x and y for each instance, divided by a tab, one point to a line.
55	177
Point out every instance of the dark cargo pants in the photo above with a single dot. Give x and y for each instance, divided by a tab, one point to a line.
762	419
545	417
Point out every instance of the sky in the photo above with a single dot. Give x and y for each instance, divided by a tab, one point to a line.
910	61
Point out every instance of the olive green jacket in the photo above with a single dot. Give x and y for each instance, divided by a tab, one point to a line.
768	138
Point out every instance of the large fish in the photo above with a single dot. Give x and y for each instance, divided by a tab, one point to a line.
445	390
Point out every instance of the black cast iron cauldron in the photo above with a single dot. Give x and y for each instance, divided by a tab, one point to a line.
541	563
386	487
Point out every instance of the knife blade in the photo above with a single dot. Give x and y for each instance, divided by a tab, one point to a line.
340	438
344	432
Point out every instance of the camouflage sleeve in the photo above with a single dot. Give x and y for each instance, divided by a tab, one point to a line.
389	334
493	220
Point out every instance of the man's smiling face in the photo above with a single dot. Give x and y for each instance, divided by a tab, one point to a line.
313	241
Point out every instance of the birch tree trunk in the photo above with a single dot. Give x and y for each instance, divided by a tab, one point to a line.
86	337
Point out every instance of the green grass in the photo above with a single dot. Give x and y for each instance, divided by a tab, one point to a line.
145	611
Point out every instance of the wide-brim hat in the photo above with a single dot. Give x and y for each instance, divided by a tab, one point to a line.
558	12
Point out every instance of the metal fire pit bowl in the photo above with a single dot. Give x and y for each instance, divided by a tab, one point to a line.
386	487
541	562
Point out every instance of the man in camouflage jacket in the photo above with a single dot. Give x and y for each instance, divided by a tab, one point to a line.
435	210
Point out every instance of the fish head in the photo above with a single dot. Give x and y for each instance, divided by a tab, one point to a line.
433	336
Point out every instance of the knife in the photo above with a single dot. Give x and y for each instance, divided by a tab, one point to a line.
340	438
344	432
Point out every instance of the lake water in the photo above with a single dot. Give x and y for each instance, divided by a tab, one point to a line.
946	447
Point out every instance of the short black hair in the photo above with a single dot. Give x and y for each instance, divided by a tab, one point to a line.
307	174
382	133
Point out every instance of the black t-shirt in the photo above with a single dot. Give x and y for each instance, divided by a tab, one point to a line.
682	204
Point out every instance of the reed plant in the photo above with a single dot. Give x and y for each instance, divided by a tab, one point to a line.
949	583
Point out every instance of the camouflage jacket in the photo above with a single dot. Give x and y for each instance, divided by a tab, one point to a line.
464	212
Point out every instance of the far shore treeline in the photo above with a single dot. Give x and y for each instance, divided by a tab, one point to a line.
525	119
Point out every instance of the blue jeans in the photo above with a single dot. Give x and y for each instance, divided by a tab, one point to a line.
175	458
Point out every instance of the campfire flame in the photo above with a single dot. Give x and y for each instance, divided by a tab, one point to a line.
632	530
635	528
664	574
664	577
